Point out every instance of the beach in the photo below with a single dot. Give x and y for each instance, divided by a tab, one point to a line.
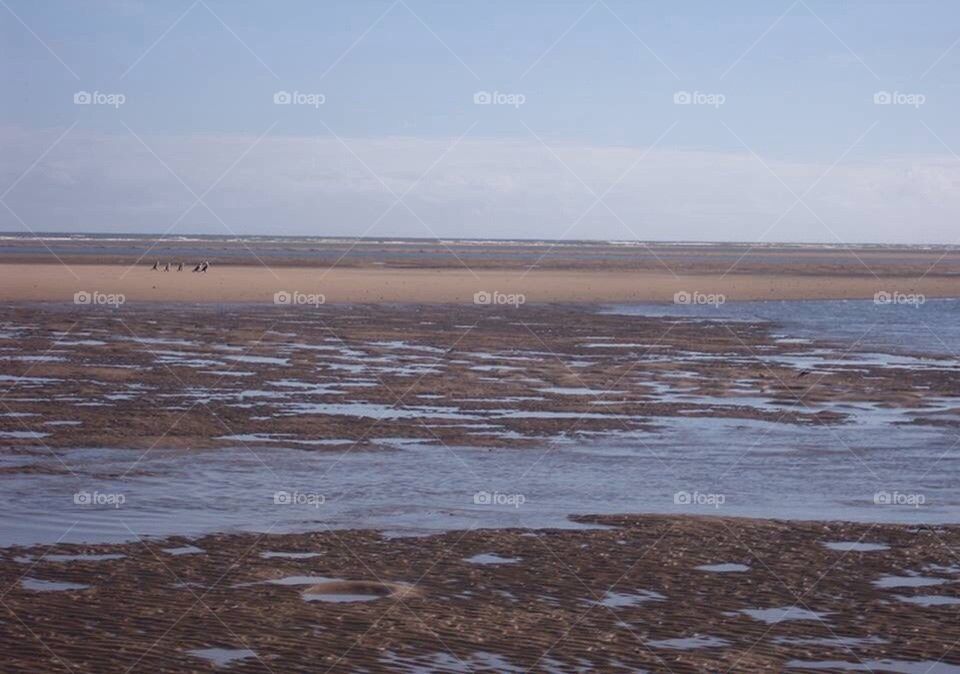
58	283
429	337
426	467
360	271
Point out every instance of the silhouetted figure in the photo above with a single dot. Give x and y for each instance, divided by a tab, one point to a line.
156	265
166	267
206	265
180	267
197	268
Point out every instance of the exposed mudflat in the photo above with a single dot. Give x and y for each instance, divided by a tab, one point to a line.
340	376
436	420
631	596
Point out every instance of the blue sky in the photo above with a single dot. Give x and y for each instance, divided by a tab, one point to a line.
783	139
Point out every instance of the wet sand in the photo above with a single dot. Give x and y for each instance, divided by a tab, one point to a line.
179	365
236	283
339	376
644	593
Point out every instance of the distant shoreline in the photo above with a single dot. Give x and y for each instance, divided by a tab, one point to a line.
166	236
318	253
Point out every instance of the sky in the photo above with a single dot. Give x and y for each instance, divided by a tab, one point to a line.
775	120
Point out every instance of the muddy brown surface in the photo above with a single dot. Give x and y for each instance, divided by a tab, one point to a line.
610	599
173	376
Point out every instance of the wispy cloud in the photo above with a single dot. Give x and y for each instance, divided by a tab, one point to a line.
482	188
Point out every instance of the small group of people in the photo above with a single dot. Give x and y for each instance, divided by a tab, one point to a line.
201	266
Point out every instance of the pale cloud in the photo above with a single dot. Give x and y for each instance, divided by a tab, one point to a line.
479	188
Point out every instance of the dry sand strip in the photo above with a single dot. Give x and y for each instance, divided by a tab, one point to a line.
59	283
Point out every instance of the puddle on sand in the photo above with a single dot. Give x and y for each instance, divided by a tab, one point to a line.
83	558
620	599
301	580
377	411
940	568
36	359
447	662
228	373
221	657
289	555
771	616
930	600
184	550
490	558
832	642
262	360
854	546
908	581
896	666
574	391
689	643
724	568
16	379
37	585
